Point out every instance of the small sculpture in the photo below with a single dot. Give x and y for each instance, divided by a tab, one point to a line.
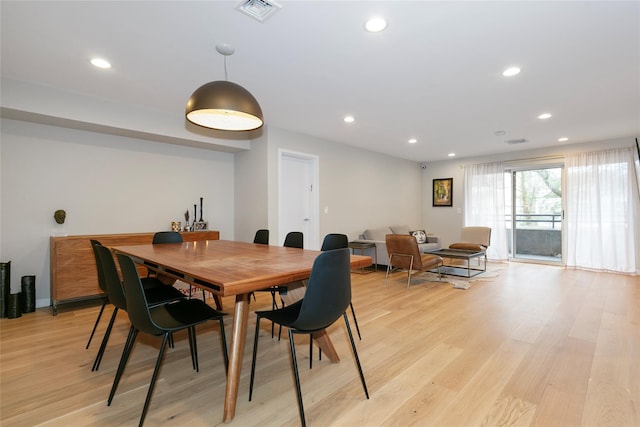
60	215
186	220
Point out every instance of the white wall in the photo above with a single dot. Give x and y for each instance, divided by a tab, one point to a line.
447	221
251	196
361	189
106	184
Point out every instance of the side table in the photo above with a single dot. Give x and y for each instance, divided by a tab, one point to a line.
362	246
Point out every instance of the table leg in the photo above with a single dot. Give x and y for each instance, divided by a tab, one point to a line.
238	337
295	291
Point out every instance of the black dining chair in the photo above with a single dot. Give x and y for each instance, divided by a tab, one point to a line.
293	239
326	298
339	241
103	287
156	293
161	320
261	237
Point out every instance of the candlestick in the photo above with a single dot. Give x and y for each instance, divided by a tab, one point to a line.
200	209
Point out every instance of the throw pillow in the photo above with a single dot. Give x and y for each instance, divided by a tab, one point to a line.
420	235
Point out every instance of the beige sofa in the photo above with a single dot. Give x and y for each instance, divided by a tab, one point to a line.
377	236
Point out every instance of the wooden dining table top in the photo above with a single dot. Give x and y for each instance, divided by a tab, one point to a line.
229	267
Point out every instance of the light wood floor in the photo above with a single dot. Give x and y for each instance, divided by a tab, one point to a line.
536	346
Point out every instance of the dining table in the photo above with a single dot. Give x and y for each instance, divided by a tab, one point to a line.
231	268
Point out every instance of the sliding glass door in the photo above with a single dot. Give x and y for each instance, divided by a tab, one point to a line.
534	213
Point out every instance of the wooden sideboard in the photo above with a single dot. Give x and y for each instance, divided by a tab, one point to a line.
73	266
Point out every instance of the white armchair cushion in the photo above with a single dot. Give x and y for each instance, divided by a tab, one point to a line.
400	229
377	233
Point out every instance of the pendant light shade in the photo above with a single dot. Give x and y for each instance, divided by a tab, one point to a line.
224	105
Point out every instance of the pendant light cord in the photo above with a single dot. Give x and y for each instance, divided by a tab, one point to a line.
225	68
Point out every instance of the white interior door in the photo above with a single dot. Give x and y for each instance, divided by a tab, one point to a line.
298	197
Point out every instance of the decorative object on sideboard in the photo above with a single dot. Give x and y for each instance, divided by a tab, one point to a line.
195	215
200	225
176	226
60	215
186	220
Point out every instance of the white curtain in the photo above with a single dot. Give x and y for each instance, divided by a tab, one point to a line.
484	197
602	209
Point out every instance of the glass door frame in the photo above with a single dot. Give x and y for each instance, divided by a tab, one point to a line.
511	171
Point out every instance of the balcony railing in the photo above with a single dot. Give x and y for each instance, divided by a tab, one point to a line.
536	221
537	236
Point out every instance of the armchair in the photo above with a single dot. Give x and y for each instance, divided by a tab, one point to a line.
404	253
474	239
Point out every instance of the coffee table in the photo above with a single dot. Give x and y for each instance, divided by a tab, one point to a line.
457	270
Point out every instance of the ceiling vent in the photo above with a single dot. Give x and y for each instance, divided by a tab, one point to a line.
516	141
258	9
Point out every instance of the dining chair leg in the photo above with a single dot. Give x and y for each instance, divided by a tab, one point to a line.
253	360
310	351
95	325
355	321
297	378
105	339
152	385
274	305
280	326
126	351
355	354
193	347
225	353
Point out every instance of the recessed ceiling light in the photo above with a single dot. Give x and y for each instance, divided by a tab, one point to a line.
563	139
451	154
413	141
100	63
544	116
499	133
349	119
511	71
375	25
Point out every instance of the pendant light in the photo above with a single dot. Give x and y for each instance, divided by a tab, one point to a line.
224	105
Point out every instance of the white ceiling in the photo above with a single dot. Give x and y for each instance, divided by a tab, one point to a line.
433	75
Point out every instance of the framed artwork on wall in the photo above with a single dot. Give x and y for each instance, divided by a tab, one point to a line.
443	192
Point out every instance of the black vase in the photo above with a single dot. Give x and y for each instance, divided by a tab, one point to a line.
28	294
13	306
5	286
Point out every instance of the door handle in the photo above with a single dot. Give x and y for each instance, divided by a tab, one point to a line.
307	219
